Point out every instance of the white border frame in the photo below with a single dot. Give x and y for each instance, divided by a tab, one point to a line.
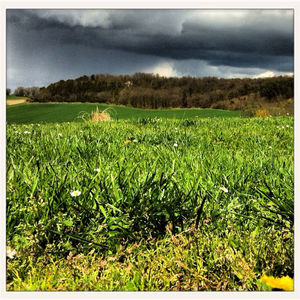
154	4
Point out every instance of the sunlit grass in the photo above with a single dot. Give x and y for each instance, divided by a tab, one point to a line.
78	112
221	187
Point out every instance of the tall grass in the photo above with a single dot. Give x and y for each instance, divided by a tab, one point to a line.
141	179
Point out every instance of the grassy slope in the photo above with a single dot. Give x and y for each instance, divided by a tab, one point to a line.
46	113
13	97
142	186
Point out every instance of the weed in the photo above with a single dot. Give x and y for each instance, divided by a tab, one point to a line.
97	116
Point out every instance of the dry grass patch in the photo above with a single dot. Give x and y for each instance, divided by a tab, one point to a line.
17	101
262	113
97	116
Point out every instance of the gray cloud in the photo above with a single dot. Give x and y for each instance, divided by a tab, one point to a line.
71	42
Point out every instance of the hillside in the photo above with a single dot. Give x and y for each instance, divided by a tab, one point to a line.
152	91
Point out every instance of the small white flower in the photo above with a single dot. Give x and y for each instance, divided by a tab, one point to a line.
282	127
175	145
270	147
176	128
287	126
75	193
10	253
135	140
81	131
38	124
97	170
26	132
59	134
224	189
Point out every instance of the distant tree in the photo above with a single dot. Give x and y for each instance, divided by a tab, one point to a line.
19	91
184	99
275	87
128	83
33	91
8	91
153	91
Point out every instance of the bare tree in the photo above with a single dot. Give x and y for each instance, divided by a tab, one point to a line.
33	91
19	91
27	92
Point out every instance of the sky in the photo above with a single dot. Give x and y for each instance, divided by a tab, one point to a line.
47	45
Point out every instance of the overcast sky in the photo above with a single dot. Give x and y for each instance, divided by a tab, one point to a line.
44	46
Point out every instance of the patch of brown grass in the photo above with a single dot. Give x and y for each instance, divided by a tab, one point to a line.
262	113
15	101
97	116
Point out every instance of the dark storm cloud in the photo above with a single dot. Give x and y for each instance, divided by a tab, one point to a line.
258	41
261	39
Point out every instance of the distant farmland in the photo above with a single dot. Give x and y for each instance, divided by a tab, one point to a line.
67	112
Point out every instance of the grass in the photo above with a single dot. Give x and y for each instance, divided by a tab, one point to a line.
151	214
58	113
13	97
191	261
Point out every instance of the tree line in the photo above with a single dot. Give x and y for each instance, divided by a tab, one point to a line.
153	91
30	92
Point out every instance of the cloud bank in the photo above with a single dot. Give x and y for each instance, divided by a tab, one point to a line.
68	43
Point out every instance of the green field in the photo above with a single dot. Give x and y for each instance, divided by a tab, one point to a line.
45	113
13	97
183	204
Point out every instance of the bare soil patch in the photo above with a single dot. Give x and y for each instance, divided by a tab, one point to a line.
12	102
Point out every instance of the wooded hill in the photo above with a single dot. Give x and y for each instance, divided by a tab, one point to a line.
153	91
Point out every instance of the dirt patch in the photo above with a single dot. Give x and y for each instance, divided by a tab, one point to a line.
12	102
